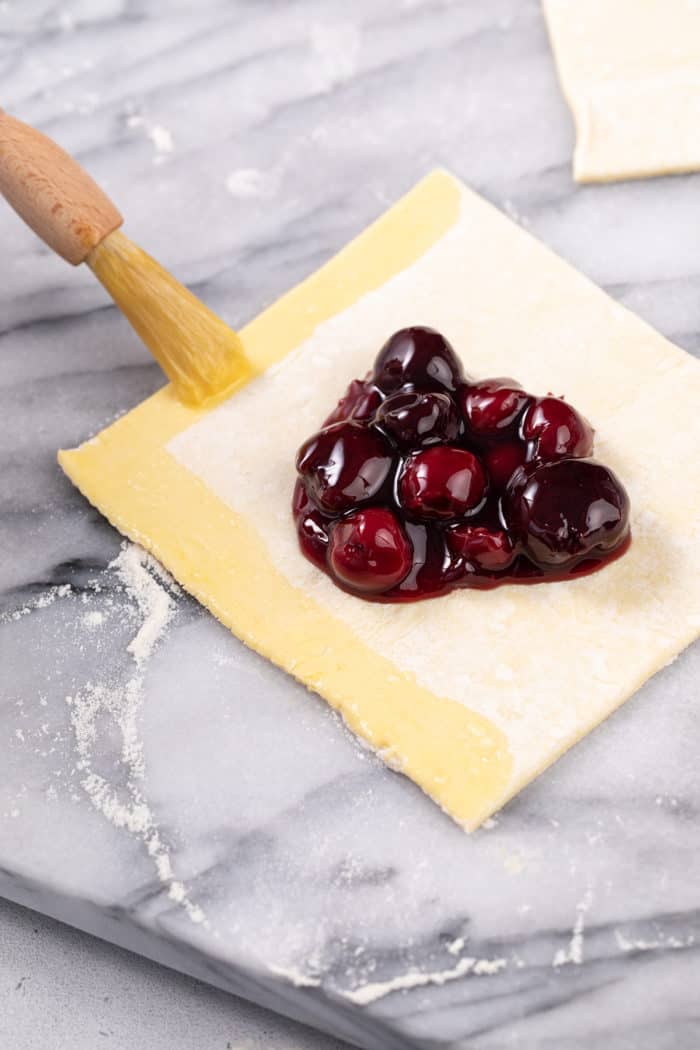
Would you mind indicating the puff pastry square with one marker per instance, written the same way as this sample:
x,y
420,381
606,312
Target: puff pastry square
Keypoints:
x,y
630,70
474,694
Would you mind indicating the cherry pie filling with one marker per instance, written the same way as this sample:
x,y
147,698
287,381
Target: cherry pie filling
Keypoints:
x,y
423,479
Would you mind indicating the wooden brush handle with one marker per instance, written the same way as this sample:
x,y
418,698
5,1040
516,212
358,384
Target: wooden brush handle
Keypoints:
x,y
52,193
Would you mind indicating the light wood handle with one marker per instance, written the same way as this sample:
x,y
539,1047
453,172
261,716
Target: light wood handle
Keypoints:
x,y
52,193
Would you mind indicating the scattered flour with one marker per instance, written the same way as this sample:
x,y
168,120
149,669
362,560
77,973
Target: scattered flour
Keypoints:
x,y
574,952
514,864
296,977
102,708
336,50
134,568
657,944
369,993
161,137
247,183
48,597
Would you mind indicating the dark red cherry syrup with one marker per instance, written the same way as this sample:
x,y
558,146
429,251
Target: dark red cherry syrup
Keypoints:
x,y
422,480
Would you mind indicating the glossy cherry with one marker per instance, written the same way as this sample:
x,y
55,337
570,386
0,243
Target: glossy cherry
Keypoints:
x,y
360,401
435,568
565,509
417,358
422,481
492,406
313,536
502,460
485,548
558,429
369,551
312,526
442,482
416,420
344,465
301,504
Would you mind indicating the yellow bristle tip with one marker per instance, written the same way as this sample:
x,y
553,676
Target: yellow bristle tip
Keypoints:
x,y
201,356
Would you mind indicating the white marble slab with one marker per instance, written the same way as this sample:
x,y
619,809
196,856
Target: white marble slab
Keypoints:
x,y
245,142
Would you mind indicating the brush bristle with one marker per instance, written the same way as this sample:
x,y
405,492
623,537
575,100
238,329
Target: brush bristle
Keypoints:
x,y
201,356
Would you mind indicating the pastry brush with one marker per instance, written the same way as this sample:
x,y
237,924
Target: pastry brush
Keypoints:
x,y
201,356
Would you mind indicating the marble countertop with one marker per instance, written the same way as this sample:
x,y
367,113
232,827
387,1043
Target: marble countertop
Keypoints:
x,y
245,142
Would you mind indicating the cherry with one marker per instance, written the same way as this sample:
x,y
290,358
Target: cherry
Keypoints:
x,y
419,419
369,551
442,482
300,499
493,405
434,566
344,464
313,537
417,357
566,509
312,528
503,460
482,547
360,401
558,429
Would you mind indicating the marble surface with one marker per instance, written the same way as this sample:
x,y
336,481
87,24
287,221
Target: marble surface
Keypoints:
x,y
245,142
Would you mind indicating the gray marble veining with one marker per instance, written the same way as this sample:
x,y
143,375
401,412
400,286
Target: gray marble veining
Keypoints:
x,y
245,142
